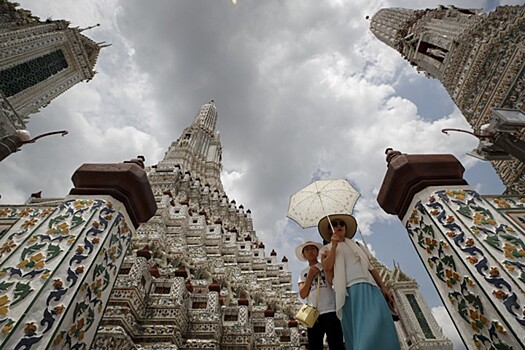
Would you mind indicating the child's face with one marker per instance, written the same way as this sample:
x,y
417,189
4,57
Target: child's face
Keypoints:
x,y
310,252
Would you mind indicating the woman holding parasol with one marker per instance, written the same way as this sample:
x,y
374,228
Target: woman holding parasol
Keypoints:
x,y
361,296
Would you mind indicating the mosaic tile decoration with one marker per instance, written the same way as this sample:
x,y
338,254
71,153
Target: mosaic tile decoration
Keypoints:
x,y
476,258
57,268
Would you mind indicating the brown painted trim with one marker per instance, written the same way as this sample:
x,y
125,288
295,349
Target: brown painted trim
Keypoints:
x,y
408,174
125,182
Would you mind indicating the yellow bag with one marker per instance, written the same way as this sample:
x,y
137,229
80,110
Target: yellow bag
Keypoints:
x,y
307,315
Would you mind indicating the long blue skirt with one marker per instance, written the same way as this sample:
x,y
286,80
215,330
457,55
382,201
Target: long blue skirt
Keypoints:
x,y
367,322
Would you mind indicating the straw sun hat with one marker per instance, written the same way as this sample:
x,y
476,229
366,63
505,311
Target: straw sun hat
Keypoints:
x,y
326,232
299,250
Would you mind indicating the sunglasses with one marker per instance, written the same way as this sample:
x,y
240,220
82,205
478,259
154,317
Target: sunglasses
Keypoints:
x,y
338,223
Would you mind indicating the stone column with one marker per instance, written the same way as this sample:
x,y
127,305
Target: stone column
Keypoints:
x,y
472,246
59,261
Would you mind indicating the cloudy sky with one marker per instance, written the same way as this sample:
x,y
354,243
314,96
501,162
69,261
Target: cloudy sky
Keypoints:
x,y
303,90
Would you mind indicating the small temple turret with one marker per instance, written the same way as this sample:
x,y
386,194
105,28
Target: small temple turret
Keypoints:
x,y
39,60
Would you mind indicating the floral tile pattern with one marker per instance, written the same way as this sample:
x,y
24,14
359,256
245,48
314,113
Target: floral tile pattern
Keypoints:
x,y
57,268
475,253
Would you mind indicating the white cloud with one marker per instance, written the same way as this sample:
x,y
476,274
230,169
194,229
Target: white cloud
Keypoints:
x,y
230,180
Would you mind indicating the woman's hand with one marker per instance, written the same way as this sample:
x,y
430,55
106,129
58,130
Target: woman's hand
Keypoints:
x,y
335,240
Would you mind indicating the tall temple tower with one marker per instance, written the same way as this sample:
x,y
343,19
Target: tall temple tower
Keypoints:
x,y
199,150
196,275
478,57
39,60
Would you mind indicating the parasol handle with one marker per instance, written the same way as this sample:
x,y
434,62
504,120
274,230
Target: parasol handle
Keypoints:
x,y
322,206
361,234
330,223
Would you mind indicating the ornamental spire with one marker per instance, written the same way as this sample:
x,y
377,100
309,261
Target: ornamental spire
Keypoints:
x,y
207,117
198,150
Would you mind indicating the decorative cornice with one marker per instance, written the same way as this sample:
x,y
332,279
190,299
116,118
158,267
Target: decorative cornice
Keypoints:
x,y
126,182
409,174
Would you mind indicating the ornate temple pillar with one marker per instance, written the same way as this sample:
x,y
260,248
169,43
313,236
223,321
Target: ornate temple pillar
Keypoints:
x,y
270,322
244,315
294,333
60,259
472,246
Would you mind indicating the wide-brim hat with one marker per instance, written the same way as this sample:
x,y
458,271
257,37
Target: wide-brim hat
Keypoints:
x,y
324,227
299,250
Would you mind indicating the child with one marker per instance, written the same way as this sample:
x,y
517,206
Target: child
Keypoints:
x,y
327,323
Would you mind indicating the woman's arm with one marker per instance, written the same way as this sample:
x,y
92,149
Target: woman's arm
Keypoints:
x,y
328,260
388,296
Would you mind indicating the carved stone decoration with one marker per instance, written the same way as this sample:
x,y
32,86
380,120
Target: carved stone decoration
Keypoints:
x,y
112,338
